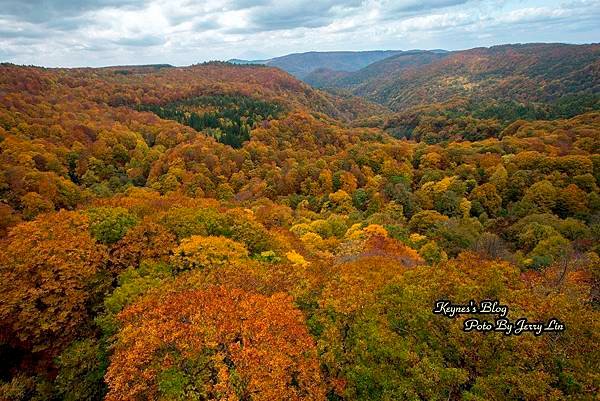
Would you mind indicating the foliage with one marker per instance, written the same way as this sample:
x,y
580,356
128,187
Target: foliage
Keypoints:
x,y
228,118
194,268
199,252
48,267
81,371
214,343
108,225
391,347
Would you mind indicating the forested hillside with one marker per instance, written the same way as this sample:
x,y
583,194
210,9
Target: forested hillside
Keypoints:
x,y
522,73
229,232
473,94
386,69
302,64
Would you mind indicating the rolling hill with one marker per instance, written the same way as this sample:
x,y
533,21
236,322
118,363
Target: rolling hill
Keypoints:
x,y
381,69
302,64
528,73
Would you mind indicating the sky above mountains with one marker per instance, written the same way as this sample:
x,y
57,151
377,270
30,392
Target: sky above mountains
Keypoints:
x,y
182,32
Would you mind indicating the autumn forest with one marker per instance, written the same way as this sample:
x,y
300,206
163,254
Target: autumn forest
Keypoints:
x,y
229,232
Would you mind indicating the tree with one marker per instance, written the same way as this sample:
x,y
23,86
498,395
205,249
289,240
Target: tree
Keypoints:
x,y
549,250
341,200
214,344
432,253
426,220
8,218
81,369
491,246
456,235
186,221
34,204
199,252
244,228
110,224
571,201
47,269
488,198
542,194
147,240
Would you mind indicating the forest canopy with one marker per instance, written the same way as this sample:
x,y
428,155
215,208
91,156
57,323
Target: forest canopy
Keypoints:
x,y
229,232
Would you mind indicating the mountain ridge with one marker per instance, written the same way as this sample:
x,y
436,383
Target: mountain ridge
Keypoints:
x,y
533,72
302,64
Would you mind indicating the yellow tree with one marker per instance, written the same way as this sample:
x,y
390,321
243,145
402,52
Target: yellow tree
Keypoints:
x,y
199,252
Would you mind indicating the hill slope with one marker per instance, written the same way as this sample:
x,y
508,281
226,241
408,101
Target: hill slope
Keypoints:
x,y
302,64
520,73
380,70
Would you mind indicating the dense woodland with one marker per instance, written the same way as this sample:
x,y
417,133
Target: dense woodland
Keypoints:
x,y
535,72
302,64
229,232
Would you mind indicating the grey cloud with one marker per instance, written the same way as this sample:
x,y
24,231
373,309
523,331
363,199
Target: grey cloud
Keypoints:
x,y
6,54
419,5
45,18
42,11
279,15
66,24
7,33
245,4
72,32
396,10
299,14
142,41
205,25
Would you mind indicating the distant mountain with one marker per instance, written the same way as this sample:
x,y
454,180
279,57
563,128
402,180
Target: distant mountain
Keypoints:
x,y
240,61
379,70
302,64
519,73
327,78
139,66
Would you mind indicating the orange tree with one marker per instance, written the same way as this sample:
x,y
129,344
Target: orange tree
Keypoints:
x,y
213,344
47,269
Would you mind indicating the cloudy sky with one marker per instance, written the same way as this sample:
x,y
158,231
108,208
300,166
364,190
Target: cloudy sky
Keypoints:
x,y
183,32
